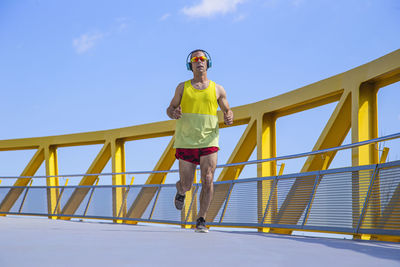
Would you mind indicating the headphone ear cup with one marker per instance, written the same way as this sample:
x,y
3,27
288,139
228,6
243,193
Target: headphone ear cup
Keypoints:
x,y
189,66
209,64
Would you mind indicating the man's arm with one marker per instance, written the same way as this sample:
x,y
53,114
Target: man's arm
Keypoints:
x,y
174,110
224,105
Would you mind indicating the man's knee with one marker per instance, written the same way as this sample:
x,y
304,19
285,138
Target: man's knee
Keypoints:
x,y
183,186
186,187
207,180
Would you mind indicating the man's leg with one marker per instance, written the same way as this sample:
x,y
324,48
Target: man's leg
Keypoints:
x,y
186,176
208,164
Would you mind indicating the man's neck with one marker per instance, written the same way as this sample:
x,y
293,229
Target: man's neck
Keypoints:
x,y
200,77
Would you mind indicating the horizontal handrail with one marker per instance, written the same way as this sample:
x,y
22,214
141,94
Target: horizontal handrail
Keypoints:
x,y
244,180
293,156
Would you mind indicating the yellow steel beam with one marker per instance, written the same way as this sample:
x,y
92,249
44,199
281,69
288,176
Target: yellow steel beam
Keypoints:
x,y
326,159
165,162
242,152
190,206
382,71
357,87
137,132
364,127
146,194
333,135
30,170
118,166
79,194
281,169
365,123
50,154
387,215
384,155
266,148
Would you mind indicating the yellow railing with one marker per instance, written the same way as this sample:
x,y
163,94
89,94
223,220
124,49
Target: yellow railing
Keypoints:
x,y
355,92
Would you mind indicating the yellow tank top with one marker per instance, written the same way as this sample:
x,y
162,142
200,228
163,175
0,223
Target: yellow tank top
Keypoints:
x,y
198,126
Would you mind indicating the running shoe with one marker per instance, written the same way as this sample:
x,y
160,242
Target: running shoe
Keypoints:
x,y
179,201
201,226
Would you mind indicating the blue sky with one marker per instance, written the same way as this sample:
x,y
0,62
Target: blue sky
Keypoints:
x,y
77,66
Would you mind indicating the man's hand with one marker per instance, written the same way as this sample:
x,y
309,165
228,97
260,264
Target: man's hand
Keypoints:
x,y
174,111
177,113
228,117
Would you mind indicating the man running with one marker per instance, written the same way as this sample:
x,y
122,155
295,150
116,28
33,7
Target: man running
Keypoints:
x,y
195,105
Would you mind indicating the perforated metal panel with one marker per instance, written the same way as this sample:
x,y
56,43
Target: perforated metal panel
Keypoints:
x,y
362,199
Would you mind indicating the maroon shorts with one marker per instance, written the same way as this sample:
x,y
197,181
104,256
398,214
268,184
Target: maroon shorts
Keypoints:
x,y
193,154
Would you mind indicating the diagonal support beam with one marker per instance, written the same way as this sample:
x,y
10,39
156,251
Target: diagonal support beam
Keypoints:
x,y
30,170
242,152
146,194
79,194
333,135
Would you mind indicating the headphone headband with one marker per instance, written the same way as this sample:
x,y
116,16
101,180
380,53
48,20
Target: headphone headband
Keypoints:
x,y
189,64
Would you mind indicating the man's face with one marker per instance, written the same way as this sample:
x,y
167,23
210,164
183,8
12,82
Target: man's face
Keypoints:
x,y
199,66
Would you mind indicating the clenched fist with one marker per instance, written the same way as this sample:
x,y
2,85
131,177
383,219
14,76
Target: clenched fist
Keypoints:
x,y
228,117
177,113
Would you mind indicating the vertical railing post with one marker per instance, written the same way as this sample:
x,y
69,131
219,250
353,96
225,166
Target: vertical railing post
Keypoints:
x,y
187,208
155,202
269,199
125,197
281,168
24,197
191,203
59,197
226,202
90,197
317,178
371,184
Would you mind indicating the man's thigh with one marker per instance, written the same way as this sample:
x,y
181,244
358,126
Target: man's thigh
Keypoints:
x,y
208,163
186,171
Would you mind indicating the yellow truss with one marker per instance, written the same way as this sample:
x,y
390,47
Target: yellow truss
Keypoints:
x,y
355,92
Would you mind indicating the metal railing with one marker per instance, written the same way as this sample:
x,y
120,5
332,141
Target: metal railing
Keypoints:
x,y
330,205
293,156
354,200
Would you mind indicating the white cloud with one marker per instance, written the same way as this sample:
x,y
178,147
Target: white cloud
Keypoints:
x,y
86,42
165,16
211,7
123,23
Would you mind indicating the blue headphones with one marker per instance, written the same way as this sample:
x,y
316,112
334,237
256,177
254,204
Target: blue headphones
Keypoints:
x,y
189,57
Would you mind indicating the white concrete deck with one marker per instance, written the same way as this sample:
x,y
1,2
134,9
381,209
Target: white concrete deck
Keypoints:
x,y
26,241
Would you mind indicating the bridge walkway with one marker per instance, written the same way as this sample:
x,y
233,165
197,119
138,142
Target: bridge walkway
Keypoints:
x,y
27,241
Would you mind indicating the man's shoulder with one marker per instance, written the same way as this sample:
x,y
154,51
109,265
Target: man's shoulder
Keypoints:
x,y
181,85
218,86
